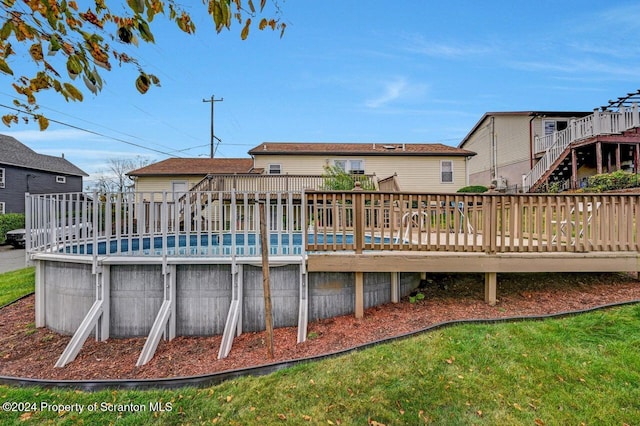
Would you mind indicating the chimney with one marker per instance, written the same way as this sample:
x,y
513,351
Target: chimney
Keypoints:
x,y
63,155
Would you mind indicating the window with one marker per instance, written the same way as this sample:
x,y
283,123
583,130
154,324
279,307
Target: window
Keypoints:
x,y
446,171
341,164
551,126
61,179
356,167
275,169
1,207
1,178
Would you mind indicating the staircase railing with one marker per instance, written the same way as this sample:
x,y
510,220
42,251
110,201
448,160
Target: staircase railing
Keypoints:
x,y
598,123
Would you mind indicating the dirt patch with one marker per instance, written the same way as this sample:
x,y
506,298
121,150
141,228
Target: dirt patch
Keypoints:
x,y
29,352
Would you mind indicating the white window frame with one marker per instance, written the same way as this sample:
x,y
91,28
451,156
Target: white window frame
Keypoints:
x,y
442,171
272,169
1,177
347,165
341,164
354,171
2,210
61,179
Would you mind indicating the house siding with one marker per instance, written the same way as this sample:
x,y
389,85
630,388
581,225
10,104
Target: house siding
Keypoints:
x,y
414,173
19,181
159,184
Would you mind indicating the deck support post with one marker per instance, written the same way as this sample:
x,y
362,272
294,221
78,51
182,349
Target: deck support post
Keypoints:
x,y
359,293
97,318
165,322
490,287
395,287
599,157
303,308
40,295
574,169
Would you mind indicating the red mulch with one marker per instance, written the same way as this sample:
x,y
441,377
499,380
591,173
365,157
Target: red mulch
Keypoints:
x,y
29,352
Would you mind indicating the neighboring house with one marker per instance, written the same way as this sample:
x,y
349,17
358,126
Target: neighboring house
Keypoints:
x,y
180,175
506,144
23,170
411,167
553,150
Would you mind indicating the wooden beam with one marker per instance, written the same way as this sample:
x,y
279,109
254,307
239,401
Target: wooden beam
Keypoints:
x,y
475,262
359,293
618,161
490,287
599,157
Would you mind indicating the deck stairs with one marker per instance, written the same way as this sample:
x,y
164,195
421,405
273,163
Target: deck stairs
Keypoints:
x,y
556,161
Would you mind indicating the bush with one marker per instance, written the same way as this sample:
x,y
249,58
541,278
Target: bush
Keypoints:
x,y
612,181
9,222
474,189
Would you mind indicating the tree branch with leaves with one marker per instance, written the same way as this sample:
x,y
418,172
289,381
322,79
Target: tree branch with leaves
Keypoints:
x,y
64,45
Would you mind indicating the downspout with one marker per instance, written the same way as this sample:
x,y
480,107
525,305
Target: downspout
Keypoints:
x,y
533,117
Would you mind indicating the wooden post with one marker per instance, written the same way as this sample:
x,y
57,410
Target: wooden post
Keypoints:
x,y
618,161
358,217
268,319
359,294
490,287
599,157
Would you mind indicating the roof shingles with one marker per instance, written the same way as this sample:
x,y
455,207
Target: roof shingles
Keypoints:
x,y
395,149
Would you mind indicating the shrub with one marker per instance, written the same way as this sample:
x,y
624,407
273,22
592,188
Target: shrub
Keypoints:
x,y
336,179
612,181
9,222
474,189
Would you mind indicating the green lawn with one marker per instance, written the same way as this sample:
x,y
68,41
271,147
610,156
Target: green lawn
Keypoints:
x,y
15,284
580,369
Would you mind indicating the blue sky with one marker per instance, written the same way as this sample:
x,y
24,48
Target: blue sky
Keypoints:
x,y
420,71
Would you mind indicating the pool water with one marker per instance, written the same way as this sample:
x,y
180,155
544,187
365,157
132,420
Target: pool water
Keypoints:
x,y
207,245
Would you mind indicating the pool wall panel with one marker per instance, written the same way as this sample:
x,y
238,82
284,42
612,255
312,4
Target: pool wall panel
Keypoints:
x,y
136,296
203,296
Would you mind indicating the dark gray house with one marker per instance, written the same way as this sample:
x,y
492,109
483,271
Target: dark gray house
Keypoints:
x,y
23,170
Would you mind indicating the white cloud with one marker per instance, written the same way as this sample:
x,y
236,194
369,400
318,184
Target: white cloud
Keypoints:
x,y
449,50
397,89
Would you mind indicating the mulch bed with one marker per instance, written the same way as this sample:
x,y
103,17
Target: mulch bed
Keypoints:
x,y
32,353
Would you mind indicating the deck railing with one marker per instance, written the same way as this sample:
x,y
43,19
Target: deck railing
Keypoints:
x,y
491,223
598,123
218,223
227,224
252,182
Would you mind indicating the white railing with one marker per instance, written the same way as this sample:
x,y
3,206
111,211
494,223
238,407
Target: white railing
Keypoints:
x,y
599,123
153,224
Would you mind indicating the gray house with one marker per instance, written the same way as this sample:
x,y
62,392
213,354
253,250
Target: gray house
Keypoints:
x,y
23,170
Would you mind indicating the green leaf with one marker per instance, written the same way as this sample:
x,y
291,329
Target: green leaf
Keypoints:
x,y
74,66
136,5
54,45
145,32
6,30
142,83
4,67
74,93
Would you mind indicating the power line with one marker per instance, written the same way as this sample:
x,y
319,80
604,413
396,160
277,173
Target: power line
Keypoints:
x,y
91,132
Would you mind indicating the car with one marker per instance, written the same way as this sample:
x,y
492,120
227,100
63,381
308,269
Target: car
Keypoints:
x,y
16,238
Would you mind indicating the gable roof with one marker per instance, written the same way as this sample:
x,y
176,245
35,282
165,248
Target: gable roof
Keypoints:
x,y
533,114
14,153
195,166
374,148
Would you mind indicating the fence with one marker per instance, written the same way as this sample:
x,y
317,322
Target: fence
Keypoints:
x,y
490,223
214,223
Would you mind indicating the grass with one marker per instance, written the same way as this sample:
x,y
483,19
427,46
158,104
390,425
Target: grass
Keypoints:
x,y
579,369
15,284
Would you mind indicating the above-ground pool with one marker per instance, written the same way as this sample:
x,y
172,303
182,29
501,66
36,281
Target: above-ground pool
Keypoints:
x,y
246,244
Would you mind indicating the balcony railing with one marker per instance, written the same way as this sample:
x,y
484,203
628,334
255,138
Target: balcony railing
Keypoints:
x,y
599,123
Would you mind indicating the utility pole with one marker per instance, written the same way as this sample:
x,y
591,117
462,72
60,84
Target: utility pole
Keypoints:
x,y
213,137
